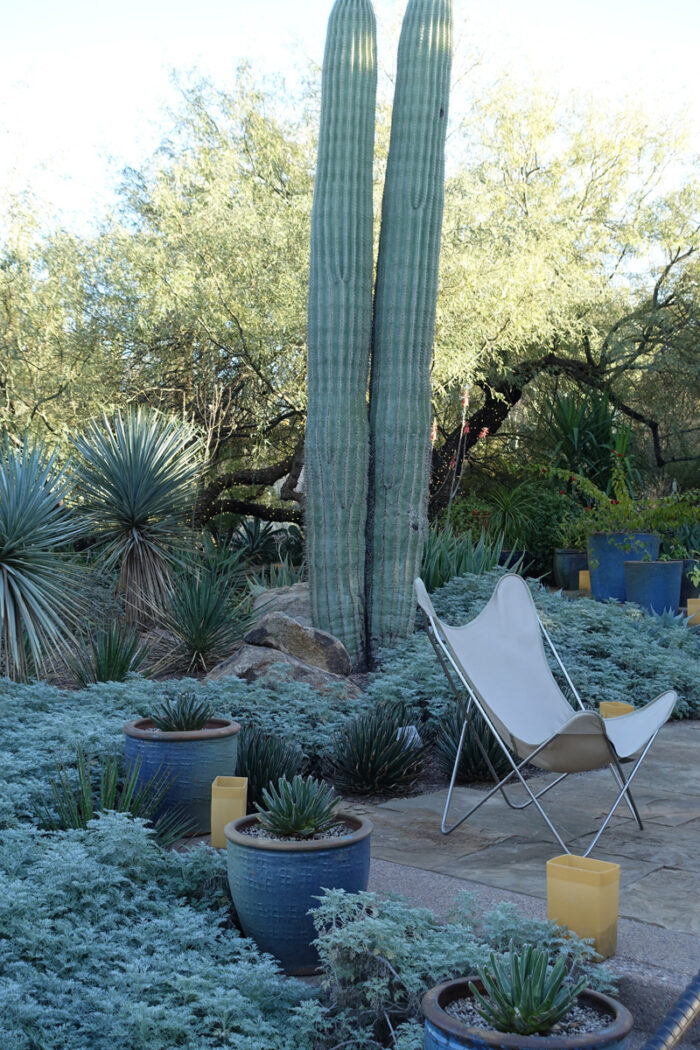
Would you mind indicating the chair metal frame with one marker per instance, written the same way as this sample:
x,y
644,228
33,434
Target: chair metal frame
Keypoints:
x,y
447,660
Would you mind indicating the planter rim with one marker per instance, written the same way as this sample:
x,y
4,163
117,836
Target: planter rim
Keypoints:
x,y
362,826
624,532
654,561
620,1021
216,728
570,550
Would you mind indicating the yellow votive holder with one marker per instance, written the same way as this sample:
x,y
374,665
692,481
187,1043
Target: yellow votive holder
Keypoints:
x,y
614,708
229,796
582,894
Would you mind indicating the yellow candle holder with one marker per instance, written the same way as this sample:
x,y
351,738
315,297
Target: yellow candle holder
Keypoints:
x,y
614,708
229,797
584,580
582,894
693,612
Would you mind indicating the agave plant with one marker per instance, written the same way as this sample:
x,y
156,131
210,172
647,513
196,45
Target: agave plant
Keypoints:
x,y
263,759
301,808
181,712
109,656
373,754
472,764
258,541
524,994
39,587
137,477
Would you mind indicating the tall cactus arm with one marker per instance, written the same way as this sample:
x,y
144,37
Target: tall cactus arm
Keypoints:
x,y
404,319
339,327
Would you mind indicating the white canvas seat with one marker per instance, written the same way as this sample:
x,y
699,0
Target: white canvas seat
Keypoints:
x,y
497,663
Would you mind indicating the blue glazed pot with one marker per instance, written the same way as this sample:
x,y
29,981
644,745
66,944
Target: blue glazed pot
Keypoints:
x,y
655,585
190,761
275,883
567,564
607,554
444,1032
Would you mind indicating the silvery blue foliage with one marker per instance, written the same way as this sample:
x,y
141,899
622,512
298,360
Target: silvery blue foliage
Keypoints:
x,y
101,949
612,651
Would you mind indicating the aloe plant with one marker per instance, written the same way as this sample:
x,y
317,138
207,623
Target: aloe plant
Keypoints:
x,y
339,326
301,808
39,586
137,473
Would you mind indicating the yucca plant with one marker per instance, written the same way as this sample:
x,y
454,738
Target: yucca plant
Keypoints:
x,y
137,475
258,541
372,756
285,574
525,995
39,586
207,608
511,510
301,808
448,554
109,656
472,765
264,760
96,787
181,712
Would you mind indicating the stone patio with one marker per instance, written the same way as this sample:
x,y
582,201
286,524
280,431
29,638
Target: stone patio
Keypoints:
x,y
507,849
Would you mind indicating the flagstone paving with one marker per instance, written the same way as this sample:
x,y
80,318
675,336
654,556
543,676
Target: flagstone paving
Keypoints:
x,y
507,849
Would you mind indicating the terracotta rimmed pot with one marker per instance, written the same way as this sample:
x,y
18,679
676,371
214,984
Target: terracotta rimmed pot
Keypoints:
x,y
190,760
274,884
444,1032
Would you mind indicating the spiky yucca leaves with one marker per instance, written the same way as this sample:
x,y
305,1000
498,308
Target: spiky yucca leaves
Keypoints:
x,y
448,554
39,605
404,319
258,541
264,760
524,995
339,327
181,712
99,787
109,656
137,476
301,808
372,756
207,608
472,765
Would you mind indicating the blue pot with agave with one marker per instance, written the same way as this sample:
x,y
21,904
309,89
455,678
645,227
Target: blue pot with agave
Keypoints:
x,y
525,1001
607,554
280,861
184,747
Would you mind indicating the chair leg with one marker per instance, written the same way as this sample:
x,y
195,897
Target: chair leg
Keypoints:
x,y
619,778
624,793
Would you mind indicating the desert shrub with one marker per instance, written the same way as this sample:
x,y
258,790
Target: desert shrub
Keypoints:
x,y
448,554
472,765
549,510
371,754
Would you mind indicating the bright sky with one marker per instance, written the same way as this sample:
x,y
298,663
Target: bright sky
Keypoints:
x,y
84,83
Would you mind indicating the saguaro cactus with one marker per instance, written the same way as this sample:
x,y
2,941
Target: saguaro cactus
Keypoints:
x,y
339,326
404,319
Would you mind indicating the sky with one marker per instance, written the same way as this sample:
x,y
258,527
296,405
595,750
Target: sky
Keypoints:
x,y
85,84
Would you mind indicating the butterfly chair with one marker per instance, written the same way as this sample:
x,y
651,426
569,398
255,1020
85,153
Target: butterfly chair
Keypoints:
x,y
497,664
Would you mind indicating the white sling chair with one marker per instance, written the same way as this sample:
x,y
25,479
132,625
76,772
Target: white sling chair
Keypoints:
x,y
497,663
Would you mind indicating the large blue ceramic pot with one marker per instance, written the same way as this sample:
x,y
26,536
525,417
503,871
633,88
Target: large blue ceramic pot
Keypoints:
x,y
607,554
275,883
445,1032
190,762
655,585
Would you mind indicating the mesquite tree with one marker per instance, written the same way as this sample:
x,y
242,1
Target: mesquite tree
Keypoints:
x,y
363,592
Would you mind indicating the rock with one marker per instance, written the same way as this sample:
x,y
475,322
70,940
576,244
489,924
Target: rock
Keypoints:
x,y
294,601
277,630
253,662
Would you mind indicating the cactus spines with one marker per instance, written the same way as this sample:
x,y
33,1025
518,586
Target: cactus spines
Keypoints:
x,y
339,327
404,319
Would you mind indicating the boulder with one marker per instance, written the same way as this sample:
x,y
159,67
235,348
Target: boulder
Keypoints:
x,y
294,601
277,630
252,662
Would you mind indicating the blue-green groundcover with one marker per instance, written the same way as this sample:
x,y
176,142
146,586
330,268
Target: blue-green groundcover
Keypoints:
x,y
108,943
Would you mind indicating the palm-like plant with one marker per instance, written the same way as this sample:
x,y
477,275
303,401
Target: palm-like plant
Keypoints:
x,y
39,604
137,478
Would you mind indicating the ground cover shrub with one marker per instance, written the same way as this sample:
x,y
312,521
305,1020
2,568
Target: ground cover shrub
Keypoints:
x,y
379,956
612,652
108,943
